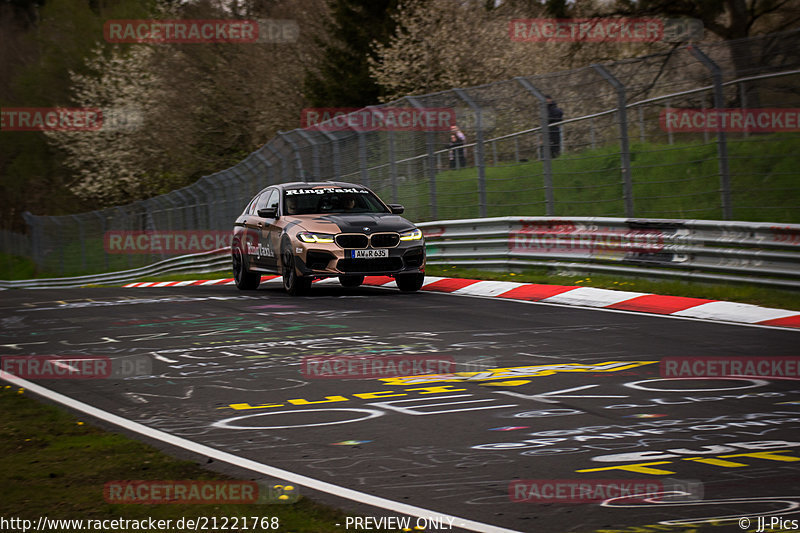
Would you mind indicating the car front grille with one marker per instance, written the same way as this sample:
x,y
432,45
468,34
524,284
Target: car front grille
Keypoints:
x,y
385,240
352,240
360,240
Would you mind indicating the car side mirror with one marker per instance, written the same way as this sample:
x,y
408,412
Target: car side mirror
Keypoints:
x,y
397,209
268,212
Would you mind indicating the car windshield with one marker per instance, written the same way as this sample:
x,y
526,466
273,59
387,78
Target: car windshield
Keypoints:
x,y
324,200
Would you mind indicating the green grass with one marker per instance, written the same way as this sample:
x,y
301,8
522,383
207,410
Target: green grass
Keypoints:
x,y
16,267
669,181
53,464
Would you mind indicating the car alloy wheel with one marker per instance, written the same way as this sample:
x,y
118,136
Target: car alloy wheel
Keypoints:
x,y
294,284
245,281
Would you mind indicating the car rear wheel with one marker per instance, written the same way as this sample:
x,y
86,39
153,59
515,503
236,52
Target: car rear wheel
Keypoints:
x,y
409,282
351,281
245,281
294,284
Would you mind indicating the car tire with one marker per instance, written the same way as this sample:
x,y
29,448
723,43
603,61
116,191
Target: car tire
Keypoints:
x,y
293,283
244,280
409,282
351,281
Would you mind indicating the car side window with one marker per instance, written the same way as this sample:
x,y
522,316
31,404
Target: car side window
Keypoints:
x,y
250,209
274,197
262,200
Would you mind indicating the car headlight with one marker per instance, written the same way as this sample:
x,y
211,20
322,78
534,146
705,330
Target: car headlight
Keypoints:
x,y
413,235
320,238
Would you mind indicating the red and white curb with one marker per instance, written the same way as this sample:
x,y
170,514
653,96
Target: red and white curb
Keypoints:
x,y
677,306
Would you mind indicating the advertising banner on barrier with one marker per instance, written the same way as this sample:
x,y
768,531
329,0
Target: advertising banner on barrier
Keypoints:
x,y
636,242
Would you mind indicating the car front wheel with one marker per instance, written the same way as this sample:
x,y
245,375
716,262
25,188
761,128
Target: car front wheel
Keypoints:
x,y
409,282
245,281
294,284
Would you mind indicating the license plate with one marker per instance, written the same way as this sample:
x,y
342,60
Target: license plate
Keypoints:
x,y
368,254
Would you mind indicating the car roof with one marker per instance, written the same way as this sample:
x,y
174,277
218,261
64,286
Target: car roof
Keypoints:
x,y
313,184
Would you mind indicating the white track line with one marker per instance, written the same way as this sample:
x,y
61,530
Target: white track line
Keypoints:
x,y
249,464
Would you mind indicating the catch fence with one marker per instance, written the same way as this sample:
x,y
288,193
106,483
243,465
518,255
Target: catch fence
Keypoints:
x,y
621,154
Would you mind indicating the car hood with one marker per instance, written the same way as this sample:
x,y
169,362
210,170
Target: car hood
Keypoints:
x,y
355,223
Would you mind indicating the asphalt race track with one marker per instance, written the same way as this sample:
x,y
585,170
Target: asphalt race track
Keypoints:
x,y
546,394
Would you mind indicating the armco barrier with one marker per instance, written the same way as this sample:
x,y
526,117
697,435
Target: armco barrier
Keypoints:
x,y
747,252
762,253
203,262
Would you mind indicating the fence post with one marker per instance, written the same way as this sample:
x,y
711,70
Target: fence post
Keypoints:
x,y
268,164
722,139
314,154
544,128
298,162
430,147
625,151
284,166
670,136
82,237
392,164
99,214
337,156
479,153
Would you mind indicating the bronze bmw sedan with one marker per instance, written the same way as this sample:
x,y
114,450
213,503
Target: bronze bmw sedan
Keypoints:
x,y
307,231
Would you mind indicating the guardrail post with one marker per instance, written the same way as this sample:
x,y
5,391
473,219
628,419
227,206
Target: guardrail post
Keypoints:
x,y
314,154
547,160
479,150
624,146
722,139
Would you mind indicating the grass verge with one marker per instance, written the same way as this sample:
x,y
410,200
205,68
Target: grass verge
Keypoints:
x,y
55,465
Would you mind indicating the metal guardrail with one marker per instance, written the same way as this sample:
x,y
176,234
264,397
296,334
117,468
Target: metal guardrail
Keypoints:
x,y
747,252
212,261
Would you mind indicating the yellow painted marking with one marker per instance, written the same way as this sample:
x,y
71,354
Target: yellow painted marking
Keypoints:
x,y
715,462
641,468
328,399
767,455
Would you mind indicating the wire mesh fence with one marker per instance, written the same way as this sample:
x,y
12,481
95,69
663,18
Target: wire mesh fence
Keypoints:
x,y
637,139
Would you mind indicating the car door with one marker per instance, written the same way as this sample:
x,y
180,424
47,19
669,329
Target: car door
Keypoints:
x,y
271,233
259,252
